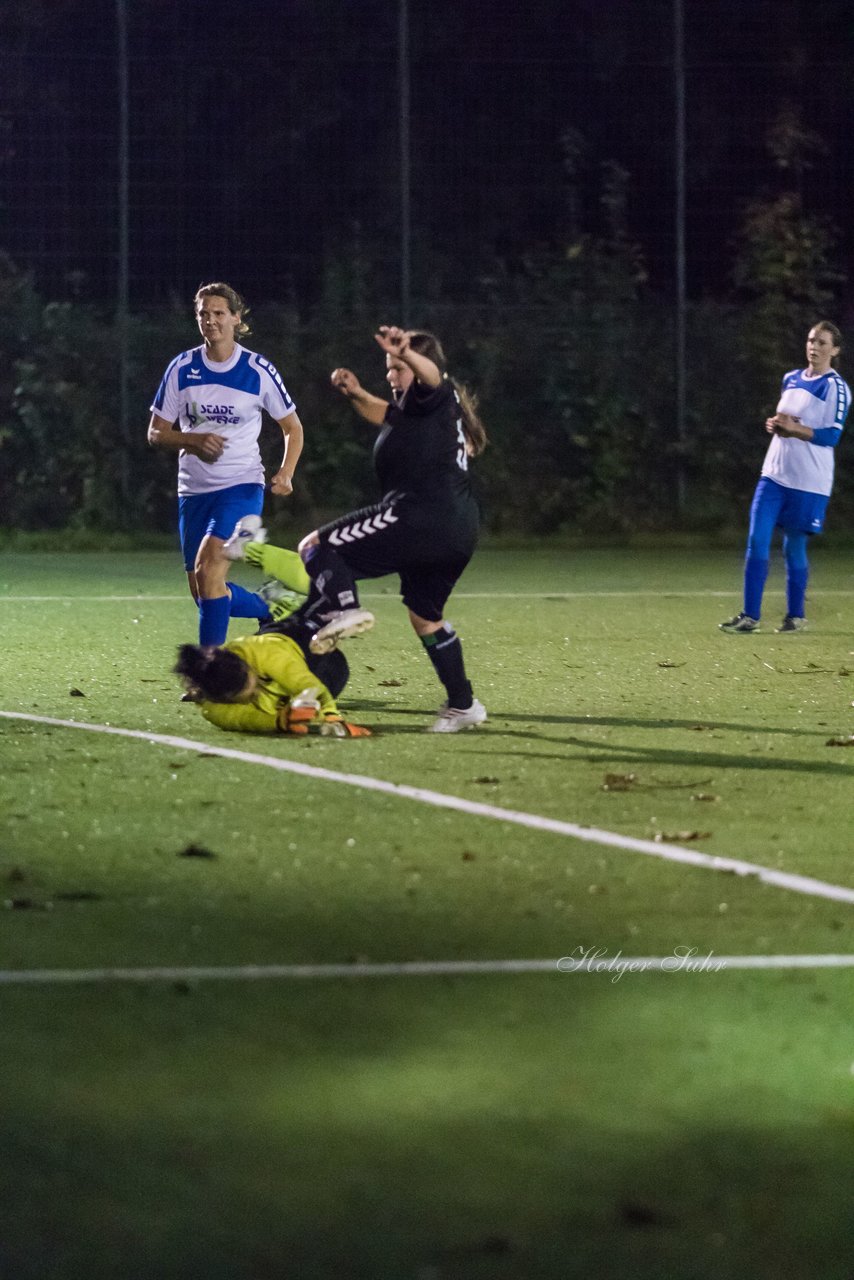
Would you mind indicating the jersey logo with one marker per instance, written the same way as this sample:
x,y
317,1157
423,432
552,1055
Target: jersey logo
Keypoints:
x,y
222,414
194,373
195,416
362,528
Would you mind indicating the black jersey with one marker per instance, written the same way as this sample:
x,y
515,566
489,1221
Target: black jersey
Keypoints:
x,y
421,449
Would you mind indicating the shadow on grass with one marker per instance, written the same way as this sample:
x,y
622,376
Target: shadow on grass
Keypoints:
x,y
468,1133
619,722
609,753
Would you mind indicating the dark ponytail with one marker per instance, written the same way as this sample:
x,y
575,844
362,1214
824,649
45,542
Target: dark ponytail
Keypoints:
x,y
217,674
427,344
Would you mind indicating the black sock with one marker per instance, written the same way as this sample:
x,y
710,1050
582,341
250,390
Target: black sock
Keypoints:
x,y
446,653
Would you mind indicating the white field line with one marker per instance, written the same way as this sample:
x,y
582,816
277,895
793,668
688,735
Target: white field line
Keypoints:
x,y
437,799
662,593
616,966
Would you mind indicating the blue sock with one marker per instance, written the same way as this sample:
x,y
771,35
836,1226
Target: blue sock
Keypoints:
x,y
213,620
246,604
755,573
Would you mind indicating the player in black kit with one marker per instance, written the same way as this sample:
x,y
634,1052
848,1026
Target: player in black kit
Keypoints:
x,y
424,528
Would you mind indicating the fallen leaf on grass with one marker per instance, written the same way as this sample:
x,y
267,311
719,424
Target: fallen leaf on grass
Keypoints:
x,y
811,669
705,796
79,895
485,779
666,836
390,684
468,856
642,1215
196,851
671,664
76,693
619,781
841,742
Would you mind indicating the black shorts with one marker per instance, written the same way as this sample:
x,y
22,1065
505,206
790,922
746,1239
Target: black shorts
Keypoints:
x,y
428,544
331,668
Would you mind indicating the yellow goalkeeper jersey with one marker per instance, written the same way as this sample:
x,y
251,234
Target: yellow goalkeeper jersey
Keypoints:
x,y
282,672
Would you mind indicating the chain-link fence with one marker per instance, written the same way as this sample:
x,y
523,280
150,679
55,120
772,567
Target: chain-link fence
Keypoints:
x,y
264,136
517,174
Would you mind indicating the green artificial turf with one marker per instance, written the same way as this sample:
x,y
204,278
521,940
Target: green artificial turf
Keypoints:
x,y
548,1125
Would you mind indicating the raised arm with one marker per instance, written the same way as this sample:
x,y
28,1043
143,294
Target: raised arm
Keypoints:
x,y
368,406
395,342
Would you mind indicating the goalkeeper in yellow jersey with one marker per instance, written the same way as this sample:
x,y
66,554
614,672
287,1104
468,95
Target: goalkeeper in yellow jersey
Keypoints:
x,y
269,683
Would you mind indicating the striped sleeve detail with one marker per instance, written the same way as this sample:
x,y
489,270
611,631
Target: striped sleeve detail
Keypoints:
x,y
843,402
277,401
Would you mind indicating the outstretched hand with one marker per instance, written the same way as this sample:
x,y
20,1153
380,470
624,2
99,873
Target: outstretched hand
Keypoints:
x,y
394,341
345,381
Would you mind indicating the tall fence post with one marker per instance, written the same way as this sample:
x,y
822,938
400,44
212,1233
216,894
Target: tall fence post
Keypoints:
x,y
123,266
403,81
679,239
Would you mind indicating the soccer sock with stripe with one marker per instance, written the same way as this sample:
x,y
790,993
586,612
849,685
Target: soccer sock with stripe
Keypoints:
x,y
278,562
246,604
213,620
446,653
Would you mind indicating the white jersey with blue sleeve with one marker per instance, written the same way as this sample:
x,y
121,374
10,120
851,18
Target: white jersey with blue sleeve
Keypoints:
x,y
227,398
820,402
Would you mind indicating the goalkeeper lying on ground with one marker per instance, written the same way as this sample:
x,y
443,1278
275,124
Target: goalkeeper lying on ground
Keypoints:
x,y
269,683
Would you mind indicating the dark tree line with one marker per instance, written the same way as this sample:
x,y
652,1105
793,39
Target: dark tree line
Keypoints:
x,y
264,148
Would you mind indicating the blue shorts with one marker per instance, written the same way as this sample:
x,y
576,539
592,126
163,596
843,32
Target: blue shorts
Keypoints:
x,y
218,512
792,509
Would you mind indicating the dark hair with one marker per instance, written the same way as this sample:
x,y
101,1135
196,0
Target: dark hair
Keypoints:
x,y
236,305
218,674
830,328
427,344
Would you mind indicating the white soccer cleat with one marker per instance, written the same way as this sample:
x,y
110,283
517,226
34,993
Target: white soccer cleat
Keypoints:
x,y
341,626
248,529
451,719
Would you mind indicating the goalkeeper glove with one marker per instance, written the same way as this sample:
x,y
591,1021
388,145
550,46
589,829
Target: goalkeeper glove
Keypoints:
x,y
301,714
334,726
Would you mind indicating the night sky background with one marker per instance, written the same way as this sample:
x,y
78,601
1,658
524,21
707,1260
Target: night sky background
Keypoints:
x,y
264,135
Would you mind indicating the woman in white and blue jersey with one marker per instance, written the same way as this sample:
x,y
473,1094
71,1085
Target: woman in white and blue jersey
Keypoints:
x,y
797,478
214,395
